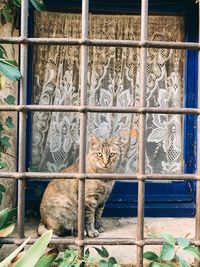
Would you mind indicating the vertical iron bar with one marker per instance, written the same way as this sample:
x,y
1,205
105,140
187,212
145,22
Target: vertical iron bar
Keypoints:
x,y
22,118
141,167
83,126
197,221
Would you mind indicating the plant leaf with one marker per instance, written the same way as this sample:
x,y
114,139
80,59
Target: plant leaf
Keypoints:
x,y
112,262
87,253
38,5
168,238
17,3
3,51
47,259
2,188
7,230
182,262
3,165
183,242
167,252
102,263
9,70
33,254
8,260
7,13
157,264
191,249
149,255
9,122
102,252
10,100
6,216
4,141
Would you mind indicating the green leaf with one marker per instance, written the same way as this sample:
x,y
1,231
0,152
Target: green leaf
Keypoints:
x,y
17,3
33,254
2,188
168,238
87,253
4,141
7,216
3,51
8,260
191,249
47,259
102,252
112,262
167,252
7,13
9,122
38,5
102,263
3,165
149,255
182,262
7,230
157,264
9,70
10,100
183,242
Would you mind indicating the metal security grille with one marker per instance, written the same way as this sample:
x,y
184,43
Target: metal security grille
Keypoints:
x,y
83,109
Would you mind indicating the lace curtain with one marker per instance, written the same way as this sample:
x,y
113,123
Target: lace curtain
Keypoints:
x,y
113,80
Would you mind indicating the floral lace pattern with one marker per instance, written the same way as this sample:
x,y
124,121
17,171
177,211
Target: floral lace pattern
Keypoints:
x,y
113,80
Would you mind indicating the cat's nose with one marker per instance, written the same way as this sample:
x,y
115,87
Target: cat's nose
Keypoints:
x,y
106,165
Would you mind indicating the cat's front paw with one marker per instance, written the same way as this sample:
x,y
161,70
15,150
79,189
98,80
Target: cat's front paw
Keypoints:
x,y
101,229
93,233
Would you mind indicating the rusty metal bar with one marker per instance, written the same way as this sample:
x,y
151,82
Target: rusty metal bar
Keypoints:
x,y
99,109
114,176
197,217
83,129
22,119
99,42
142,120
93,241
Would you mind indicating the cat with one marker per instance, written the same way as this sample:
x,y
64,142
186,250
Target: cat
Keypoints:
x,y
59,205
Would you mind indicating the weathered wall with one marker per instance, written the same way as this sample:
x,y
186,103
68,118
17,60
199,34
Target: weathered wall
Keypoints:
x,y
9,88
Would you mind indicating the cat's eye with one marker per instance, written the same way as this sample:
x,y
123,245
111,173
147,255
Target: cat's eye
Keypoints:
x,y
111,154
99,154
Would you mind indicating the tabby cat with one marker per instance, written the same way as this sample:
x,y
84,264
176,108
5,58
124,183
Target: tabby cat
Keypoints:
x,y
59,203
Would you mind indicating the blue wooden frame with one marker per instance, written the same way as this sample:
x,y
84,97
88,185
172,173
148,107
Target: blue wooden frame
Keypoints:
x,y
175,199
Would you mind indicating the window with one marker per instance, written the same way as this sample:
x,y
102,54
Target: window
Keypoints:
x,y
114,80
190,82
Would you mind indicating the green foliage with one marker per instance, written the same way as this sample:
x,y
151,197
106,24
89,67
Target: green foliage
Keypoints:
x,y
34,256
9,69
8,10
7,220
71,259
169,255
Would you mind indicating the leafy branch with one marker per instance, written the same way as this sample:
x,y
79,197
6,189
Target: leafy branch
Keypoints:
x,y
170,254
10,70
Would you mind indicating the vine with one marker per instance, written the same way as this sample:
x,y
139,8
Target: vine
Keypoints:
x,y
9,11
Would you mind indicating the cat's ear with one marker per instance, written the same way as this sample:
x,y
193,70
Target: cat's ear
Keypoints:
x,y
93,139
120,142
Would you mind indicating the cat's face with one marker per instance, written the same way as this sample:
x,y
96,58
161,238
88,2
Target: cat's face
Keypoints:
x,y
104,154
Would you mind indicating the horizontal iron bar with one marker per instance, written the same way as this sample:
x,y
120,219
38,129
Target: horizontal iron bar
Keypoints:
x,y
58,108
92,241
100,42
114,176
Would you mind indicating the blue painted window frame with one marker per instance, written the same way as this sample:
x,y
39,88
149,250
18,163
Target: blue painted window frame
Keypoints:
x,y
176,199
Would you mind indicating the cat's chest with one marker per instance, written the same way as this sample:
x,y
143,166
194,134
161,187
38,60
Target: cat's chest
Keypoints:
x,y
98,191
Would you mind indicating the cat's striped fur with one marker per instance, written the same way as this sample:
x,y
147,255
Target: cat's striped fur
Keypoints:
x,y
59,203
